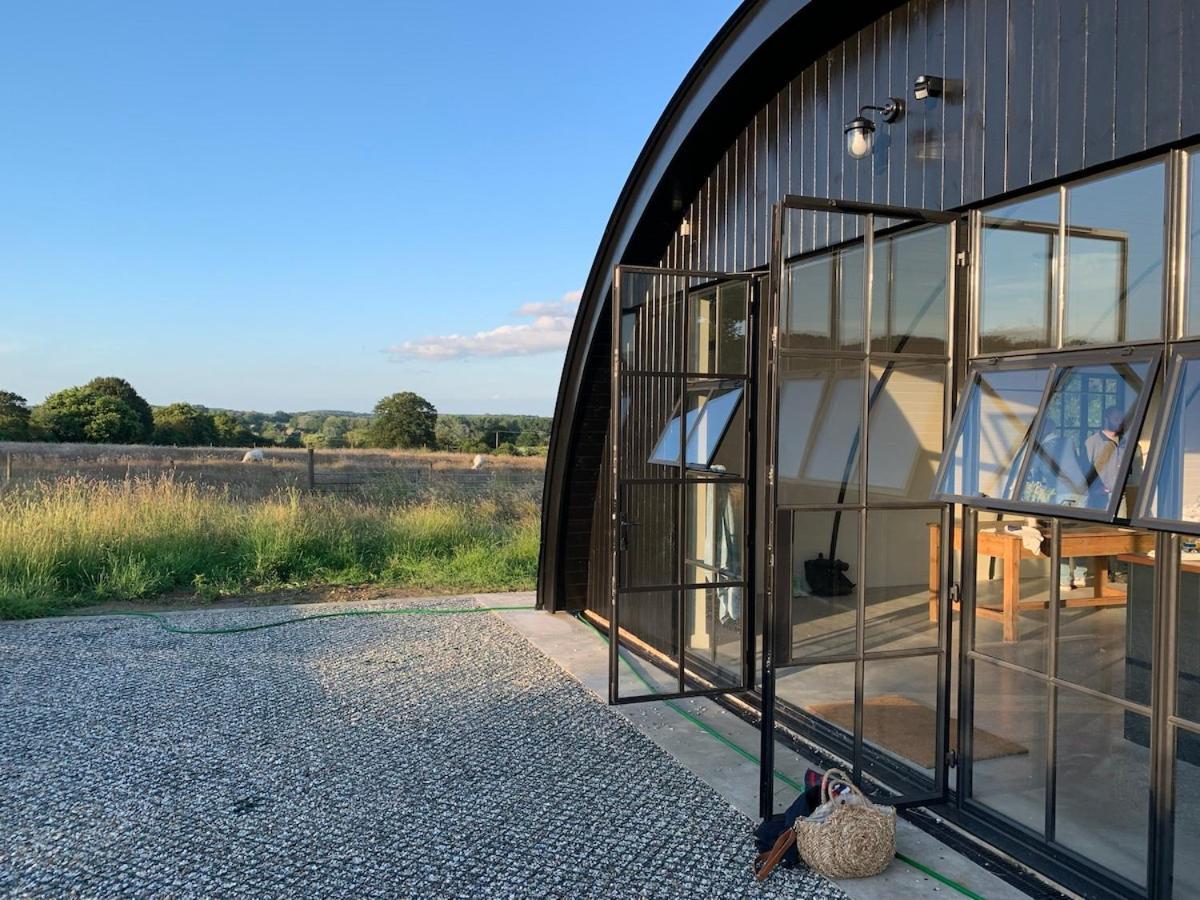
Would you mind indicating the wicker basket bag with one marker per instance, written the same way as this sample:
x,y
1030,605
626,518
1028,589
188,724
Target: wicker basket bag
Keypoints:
x,y
854,839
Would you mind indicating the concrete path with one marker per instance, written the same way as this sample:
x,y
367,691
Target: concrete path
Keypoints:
x,y
400,755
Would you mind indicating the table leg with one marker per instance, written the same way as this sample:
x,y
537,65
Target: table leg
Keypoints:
x,y
1101,585
1012,589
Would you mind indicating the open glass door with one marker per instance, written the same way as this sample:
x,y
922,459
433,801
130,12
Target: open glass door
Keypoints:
x,y
683,446
856,649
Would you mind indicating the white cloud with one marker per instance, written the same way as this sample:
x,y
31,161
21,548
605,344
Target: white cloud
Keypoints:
x,y
548,331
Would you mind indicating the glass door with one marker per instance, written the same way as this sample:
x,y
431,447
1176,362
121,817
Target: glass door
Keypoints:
x,y
856,653
682,420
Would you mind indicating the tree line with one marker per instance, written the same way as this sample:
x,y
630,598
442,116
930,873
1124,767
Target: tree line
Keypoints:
x,y
109,410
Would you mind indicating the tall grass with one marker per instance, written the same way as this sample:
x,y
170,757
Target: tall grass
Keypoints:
x,y
76,541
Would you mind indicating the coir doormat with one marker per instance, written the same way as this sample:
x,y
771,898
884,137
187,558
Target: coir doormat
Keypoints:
x,y
906,728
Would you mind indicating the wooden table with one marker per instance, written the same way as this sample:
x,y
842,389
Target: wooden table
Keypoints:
x,y
998,542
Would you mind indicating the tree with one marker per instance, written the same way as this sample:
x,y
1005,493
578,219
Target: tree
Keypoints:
x,y
230,432
184,425
120,389
404,420
83,414
14,417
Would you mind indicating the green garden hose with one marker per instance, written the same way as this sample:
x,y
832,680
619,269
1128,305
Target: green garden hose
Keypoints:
x,y
790,782
408,610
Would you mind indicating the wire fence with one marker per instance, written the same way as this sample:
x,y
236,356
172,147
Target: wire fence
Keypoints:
x,y
369,475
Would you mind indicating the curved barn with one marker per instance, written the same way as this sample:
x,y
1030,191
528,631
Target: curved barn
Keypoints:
x,y
881,412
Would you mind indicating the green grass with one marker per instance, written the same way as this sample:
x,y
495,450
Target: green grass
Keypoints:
x,y
75,541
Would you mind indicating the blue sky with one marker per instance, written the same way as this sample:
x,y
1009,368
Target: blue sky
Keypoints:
x,y
301,205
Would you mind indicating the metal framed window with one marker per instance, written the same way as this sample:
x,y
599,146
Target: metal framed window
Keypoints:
x,y
1171,473
1014,444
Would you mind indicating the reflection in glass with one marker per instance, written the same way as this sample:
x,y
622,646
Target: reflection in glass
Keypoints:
x,y
1102,785
717,329
710,412
649,429
909,310
647,534
905,426
1187,646
1115,249
820,412
997,415
713,538
900,713
1187,814
1175,493
652,616
813,689
822,608
1084,438
901,578
1018,280
1008,759
1106,619
652,309
825,301
1193,246
1012,588
713,635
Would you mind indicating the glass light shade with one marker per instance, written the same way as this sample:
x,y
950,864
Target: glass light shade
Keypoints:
x,y
860,137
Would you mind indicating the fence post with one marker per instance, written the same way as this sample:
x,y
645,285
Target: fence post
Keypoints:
x,y
8,466
312,475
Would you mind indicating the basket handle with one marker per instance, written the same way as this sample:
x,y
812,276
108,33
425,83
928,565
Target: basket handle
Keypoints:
x,y
837,776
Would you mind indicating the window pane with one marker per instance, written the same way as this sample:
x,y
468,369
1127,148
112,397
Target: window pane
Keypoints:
x,y
900,716
1084,437
714,418
822,608
1115,258
901,578
909,295
850,289
1018,284
996,418
1193,245
1008,759
1187,814
715,524
1187,647
652,616
650,436
1175,493
1012,589
652,309
820,411
810,304
1106,599
905,429
1103,783
648,517
713,636
717,329
816,690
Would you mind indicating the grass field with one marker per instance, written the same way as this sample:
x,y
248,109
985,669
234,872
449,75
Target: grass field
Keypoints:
x,y
79,538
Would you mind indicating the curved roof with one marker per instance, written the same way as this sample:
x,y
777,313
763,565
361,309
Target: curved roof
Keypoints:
x,y
763,45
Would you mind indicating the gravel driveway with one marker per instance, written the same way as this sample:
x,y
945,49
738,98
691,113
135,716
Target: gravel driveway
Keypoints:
x,y
380,756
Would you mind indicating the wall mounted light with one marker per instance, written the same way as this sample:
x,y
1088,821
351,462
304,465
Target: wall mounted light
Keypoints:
x,y
860,131
927,86
685,227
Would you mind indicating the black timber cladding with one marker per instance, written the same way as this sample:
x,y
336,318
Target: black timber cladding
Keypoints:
x,y
1038,91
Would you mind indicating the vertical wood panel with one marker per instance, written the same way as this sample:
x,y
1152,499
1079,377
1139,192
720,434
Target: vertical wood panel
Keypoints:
x,y
1018,125
847,111
1101,85
1164,70
774,145
1189,101
973,89
737,205
1044,113
1072,52
897,149
914,124
834,153
765,139
797,183
952,114
873,86
809,172
995,98
1132,35
821,120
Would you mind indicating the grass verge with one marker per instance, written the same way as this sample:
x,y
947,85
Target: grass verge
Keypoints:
x,y
75,541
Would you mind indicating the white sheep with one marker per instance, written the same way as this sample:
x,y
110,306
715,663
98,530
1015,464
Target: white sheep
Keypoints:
x,y
253,455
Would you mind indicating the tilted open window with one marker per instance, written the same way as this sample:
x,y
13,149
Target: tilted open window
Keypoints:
x,y
710,411
1172,495
1050,434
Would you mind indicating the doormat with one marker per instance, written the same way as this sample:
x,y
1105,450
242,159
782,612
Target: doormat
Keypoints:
x,y
906,727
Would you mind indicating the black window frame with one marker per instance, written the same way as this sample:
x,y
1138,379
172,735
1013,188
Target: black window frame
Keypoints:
x,y
1182,353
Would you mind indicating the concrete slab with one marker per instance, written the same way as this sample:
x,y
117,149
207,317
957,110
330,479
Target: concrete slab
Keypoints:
x,y
584,654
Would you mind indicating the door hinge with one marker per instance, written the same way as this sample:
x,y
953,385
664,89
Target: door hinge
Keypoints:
x,y
775,336
771,475
952,759
963,258
955,594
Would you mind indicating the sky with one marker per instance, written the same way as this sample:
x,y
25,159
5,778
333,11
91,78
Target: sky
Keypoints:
x,y
310,205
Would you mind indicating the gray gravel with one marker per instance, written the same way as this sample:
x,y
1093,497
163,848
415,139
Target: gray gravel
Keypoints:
x,y
398,755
